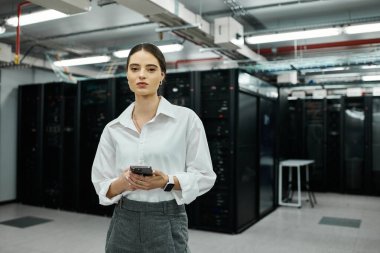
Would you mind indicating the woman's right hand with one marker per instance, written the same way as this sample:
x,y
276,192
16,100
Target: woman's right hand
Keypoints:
x,y
125,176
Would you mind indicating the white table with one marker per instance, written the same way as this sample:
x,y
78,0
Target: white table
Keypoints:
x,y
297,163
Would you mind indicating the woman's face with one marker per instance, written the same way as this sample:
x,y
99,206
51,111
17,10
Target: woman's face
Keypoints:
x,y
144,73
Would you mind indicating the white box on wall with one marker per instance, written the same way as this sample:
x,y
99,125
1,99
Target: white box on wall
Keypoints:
x,y
5,53
186,14
228,33
204,25
288,77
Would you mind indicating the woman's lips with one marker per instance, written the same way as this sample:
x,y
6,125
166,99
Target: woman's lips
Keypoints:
x,y
141,85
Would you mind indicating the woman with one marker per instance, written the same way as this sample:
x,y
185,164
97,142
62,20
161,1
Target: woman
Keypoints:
x,y
150,215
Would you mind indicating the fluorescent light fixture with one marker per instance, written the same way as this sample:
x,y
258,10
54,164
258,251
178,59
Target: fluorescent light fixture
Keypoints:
x,y
36,17
2,29
370,66
371,78
299,35
364,28
82,61
170,48
122,53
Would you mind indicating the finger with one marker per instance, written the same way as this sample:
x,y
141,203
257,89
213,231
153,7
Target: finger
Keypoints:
x,y
158,173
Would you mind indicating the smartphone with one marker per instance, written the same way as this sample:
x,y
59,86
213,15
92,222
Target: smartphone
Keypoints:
x,y
142,170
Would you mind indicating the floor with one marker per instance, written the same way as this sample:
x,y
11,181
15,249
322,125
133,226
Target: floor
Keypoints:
x,y
287,229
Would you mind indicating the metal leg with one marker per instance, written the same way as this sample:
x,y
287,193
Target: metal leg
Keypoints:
x,y
280,185
310,193
290,184
299,186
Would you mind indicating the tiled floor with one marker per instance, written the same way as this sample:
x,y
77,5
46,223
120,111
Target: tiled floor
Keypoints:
x,y
285,230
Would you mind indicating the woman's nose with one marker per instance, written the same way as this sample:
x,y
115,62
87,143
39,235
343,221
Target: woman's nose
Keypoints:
x,y
142,73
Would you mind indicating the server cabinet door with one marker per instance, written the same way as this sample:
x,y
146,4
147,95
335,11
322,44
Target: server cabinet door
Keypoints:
x,y
247,161
375,146
315,142
96,110
333,147
354,145
29,157
53,144
266,153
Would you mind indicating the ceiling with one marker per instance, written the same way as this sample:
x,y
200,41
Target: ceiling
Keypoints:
x,y
110,26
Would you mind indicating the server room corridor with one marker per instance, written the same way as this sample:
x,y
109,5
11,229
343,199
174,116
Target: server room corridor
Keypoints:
x,y
338,224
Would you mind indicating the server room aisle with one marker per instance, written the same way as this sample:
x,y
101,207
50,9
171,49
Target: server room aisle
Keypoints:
x,y
339,223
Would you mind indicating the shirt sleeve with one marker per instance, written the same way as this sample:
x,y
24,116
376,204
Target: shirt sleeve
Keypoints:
x,y
199,176
103,169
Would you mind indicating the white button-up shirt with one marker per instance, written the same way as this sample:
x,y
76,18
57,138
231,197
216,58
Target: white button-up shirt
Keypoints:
x,y
174,141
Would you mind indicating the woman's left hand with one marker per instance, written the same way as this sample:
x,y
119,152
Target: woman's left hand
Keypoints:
x,y
158,180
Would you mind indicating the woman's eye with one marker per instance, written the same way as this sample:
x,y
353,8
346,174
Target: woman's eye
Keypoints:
x,y
151,69
134,69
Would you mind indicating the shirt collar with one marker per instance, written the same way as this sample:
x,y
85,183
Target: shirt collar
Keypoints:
x,y
164,107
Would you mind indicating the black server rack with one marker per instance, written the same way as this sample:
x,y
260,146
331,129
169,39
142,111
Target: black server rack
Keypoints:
x,y
266,139
295,130
179,89
314,141
58,145
333,151
30,144
96,109
355,120
123,95
375,146
70,154
231,205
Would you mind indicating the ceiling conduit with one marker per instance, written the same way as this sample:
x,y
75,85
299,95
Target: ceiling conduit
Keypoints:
x,y
291,49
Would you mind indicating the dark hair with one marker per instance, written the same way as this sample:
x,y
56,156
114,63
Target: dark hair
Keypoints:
x,y
154,50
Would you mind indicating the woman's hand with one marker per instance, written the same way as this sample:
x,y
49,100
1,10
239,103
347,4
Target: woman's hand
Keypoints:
x,y
126,177
158,180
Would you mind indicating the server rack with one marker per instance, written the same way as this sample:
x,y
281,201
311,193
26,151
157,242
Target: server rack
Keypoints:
x,y
96,109
30,144
354,144
123,95
180,89
58,145
231,205
266,139
375,146
314,141
333,151
295,130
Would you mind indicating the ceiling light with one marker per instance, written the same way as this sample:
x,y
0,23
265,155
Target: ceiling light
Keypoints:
x,y
370,66
170,48
2,29
36,17
122,53
370,78
365,28
82,61
298,35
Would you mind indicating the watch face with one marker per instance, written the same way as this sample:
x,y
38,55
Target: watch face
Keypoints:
x,y
169,187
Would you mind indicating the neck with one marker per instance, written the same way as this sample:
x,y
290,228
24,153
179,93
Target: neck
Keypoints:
x,y
146,107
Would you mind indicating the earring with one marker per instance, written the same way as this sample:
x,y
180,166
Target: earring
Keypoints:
x,y
160,83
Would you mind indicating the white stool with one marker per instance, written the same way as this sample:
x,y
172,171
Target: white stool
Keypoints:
x,y
298,164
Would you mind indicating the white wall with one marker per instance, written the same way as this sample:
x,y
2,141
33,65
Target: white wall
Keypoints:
x,y
10,79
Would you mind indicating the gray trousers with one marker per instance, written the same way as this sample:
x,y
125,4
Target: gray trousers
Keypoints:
x,y
139,227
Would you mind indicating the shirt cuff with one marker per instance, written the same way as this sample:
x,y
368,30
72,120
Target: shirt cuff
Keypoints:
x,y
103,199
189,189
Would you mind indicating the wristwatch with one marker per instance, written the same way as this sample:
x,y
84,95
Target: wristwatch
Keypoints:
x,y
170,184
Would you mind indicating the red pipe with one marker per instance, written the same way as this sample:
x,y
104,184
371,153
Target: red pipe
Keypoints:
x,y
290,49
177,62
17,56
